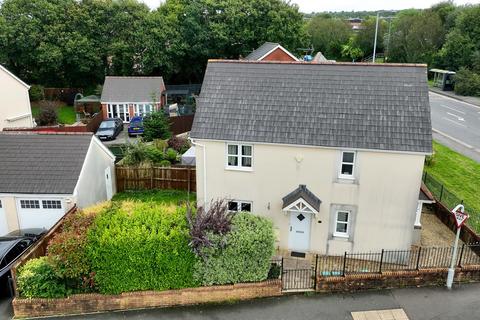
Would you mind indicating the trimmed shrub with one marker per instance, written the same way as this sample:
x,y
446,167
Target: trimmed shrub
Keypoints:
x,y
38,279
165,163
242,255
156,126
36,92
171,155
47,117
178,144
141,246
467,83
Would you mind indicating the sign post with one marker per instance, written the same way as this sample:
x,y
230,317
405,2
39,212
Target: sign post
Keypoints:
x,y
460,218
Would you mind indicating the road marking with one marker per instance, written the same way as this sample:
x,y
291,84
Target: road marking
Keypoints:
x,y
454,122
458,117
452,138
453,109
456,100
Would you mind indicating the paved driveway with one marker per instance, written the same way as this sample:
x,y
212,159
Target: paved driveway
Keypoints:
x,y
5,308
419,304
456,124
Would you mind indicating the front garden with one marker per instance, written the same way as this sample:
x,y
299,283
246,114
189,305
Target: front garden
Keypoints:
x,y
150,240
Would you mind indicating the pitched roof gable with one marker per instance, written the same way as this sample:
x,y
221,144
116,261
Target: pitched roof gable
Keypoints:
x,y
41,163
132,89
337,105
14,76
265,49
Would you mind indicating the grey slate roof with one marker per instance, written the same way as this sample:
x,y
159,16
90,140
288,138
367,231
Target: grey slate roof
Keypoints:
x,y
338,105
132,89
305,194
261,51
41,163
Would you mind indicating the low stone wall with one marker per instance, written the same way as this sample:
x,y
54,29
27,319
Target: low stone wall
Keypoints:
x,y
89,303
397,279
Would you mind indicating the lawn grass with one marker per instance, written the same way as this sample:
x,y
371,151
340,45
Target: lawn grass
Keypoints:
x,y
65,114
460,175
165,196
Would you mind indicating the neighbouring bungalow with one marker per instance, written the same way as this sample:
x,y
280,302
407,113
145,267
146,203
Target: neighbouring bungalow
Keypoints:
x,y
15,111
42,176
271,51
126,97
332,153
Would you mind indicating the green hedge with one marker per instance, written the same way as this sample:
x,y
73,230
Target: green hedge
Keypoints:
x,y
38,279
141,246
243,255
467,83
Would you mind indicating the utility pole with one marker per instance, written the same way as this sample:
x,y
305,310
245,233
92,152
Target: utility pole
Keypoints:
x,y
375,43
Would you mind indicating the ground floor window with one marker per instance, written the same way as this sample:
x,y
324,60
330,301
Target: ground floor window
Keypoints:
x,y
239,206
142,109
118,111
342,220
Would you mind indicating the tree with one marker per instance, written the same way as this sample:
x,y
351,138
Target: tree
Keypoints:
x,y
365,37
456,52
350,51
416,36
328,35
156,126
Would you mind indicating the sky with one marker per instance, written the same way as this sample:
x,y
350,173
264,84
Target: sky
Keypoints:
x,y
308,6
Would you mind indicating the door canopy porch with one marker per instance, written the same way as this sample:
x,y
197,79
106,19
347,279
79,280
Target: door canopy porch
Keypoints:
x,y
302,200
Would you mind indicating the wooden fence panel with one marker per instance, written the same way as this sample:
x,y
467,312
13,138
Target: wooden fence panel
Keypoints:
x,y
147,178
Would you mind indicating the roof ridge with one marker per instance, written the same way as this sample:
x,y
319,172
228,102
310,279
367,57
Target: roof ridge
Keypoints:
x,y
364,64
131,77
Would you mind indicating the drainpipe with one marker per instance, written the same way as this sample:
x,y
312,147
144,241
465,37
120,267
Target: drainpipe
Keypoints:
x,y
204,171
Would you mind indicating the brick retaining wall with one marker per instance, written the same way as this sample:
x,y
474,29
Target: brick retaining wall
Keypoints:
x,y
89,303
397,279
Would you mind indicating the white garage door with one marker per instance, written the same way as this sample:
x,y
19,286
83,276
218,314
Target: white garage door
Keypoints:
x,y
39,213
3,220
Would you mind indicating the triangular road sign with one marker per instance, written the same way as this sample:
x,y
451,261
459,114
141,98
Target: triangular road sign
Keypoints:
x,y
460,218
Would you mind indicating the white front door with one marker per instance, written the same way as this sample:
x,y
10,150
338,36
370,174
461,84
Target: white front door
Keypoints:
x,y
3,220
108,183
299,239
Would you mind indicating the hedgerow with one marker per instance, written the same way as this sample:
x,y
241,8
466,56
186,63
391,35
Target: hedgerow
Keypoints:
x,y
141,246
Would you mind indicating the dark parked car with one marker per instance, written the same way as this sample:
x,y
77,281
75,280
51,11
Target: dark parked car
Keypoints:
x,y
11,248
135,127
109,129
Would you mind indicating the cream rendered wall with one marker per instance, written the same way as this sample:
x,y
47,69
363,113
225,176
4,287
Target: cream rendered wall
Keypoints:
x,y
14,102
91,187
384,194
9,202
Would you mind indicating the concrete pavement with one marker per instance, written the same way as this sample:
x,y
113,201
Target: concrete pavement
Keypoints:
x,y
419,304
456,124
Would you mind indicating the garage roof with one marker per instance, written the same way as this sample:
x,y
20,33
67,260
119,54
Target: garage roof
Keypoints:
x,y
33,163
132,89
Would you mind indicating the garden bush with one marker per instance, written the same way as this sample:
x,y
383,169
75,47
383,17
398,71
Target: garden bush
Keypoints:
x,y
242,255
38,279
179,144
171,155
141,246
156,126
47,117
36,92
467,83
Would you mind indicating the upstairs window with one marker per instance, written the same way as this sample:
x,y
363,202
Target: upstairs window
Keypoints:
x,y
347,165
239,206
239,156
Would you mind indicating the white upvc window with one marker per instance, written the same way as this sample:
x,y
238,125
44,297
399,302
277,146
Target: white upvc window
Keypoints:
x,y
342,223
347,165
52,204
239,206
239,156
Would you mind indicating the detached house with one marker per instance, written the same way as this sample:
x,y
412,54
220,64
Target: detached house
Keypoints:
x,y
15,108
43,175
126,97
332,153
271,51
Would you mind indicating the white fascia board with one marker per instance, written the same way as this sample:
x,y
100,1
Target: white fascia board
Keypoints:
x,y
281,48
14,77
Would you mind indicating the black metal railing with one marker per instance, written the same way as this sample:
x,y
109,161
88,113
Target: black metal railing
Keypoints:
x,y
396,260
448,198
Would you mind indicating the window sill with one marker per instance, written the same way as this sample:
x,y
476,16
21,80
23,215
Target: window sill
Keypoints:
x,y
346,180
341,236
246,169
